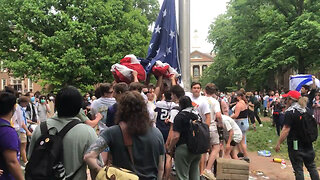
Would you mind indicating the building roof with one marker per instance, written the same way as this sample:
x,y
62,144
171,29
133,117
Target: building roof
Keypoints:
x,y
199,56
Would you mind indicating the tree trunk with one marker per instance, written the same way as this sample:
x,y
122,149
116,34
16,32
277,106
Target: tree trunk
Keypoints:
x,y
301,65
300,7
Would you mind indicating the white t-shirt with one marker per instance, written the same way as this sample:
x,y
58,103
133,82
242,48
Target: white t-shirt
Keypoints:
x,y
173,114
152,115
214,107
230,124
16,119
258,97
200,104
101,106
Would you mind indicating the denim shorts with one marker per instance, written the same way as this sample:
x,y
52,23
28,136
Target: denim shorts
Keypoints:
x,y
243,124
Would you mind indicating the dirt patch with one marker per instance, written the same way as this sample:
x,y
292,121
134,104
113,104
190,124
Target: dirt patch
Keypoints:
x,y
268,168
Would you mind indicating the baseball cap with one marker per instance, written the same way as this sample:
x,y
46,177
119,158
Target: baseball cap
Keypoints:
x,y
292,94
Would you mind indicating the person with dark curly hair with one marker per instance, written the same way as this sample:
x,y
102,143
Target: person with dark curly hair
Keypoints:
x,y
147,142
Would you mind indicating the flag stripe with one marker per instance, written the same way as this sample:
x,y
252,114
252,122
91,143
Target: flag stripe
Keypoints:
x,y
298,88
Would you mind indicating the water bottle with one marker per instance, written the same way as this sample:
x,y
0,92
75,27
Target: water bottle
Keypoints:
x,y
264,153
278,160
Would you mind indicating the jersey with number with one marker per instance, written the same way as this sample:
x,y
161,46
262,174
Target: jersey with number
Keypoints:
x,y
163,109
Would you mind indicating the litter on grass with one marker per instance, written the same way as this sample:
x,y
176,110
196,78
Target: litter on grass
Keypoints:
x,y
264,153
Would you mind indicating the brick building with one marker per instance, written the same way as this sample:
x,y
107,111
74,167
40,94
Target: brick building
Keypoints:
x,y
198,63
22,85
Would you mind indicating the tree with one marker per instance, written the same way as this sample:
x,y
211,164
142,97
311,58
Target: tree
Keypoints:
x,y
70,42
150,8
259,38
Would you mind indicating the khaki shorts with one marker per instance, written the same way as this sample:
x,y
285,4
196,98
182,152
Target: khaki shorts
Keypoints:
x,y
214,137
23,137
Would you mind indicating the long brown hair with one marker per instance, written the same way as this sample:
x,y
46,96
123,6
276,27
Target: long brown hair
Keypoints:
x,y
240,93
132,109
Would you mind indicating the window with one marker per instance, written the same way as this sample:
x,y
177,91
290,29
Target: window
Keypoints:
x,y
204,67
196,71
3,83
196,56
1,66
30,85
17,85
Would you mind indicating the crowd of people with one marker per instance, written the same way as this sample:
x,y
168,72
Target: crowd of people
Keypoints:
x,y
154,117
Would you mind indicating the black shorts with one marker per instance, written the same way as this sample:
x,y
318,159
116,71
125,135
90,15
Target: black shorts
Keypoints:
x,y
232,143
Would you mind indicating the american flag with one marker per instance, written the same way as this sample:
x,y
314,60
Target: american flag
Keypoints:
x,y
163,45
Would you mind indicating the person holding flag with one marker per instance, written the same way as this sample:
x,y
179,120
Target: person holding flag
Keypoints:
x,y
303,83
310,93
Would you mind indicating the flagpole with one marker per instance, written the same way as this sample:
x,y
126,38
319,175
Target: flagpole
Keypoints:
x,y
184,42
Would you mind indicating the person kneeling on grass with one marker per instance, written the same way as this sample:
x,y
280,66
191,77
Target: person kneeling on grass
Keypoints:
x,y
232,135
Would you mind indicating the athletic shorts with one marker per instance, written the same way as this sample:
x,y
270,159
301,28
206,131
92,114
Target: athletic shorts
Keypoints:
x,y
214,136
232,143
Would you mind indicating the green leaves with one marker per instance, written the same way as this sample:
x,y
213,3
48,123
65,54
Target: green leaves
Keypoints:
x,y
149,8
256,38
70,42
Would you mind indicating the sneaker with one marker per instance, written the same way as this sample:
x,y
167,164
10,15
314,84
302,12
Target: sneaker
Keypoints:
x,y
208,174
240,154
246,159
261,125
23,165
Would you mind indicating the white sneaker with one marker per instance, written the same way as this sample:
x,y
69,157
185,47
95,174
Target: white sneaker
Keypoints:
x,y
261,125
208,174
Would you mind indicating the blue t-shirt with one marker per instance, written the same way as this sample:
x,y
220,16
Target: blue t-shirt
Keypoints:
x,y
111,115
265,101
9,140
24,119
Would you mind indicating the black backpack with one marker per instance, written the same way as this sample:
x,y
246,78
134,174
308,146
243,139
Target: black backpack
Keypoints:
x,y
198,139
46,162
309,132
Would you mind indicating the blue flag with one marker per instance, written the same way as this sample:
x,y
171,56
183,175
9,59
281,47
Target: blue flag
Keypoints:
x,y
297,81
163,45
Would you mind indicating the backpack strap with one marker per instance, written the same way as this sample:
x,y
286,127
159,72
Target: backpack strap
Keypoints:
x,y
67,127
177,108
127,139
44,128
5,125
187,114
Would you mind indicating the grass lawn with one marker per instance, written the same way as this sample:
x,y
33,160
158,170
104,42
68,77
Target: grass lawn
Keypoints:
x,y
265,138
